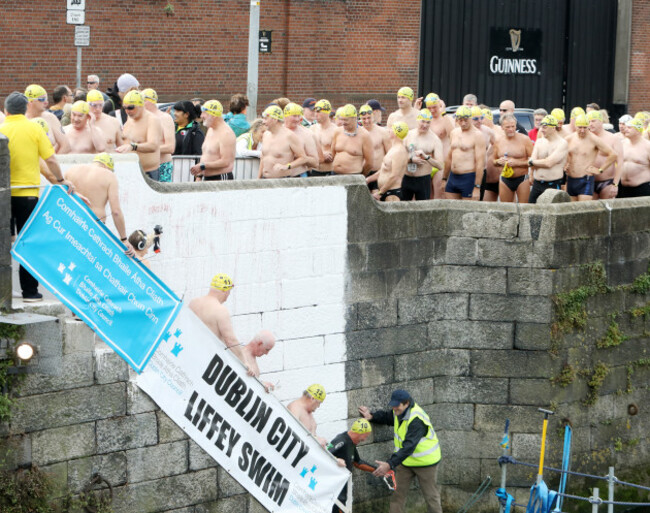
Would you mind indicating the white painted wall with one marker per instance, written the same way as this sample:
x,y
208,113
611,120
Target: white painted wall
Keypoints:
x,y
285,249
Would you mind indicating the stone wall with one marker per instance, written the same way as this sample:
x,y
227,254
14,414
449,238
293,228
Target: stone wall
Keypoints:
x,y
455,301
5,238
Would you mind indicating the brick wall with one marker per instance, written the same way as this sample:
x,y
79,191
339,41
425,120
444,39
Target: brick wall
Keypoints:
x,y
345,50
639,98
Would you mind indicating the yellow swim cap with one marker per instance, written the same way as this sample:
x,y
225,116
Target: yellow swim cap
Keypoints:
x,y
401,129
133,98
431,99
581,120
635,123
641,115
365,109
222,282
549,121
94,96
273,112
577,111
361,426
34,92
406,92
476,112
464,112
323,105
348,111
80,106
106,159
424,115
487,113
150,95
317,392
338,112
42,123
292,109
595,114
558,114
213,107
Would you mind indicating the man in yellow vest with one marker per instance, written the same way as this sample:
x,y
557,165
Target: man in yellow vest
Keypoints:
x,y
416,453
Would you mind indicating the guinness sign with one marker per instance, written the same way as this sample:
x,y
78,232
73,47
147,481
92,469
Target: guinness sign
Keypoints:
x,y
515,51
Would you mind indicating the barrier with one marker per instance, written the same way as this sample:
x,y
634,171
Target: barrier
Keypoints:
x,y
246,168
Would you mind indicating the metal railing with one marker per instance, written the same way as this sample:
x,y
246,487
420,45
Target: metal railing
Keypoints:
x,y
246,168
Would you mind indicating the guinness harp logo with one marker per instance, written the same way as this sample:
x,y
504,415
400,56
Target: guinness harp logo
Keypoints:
x,y
515,39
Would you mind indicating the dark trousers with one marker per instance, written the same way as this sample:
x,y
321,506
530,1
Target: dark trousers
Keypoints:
x,y
21,208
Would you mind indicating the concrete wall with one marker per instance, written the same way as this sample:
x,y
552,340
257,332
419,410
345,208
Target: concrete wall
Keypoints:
x,y
5,238
451,300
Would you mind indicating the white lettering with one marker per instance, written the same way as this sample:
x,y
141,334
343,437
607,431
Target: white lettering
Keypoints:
x,y
512,66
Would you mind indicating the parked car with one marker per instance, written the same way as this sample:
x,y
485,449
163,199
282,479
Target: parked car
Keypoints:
x,y
524,116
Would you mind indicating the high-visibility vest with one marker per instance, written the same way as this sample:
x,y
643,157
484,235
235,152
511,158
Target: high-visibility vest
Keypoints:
x,y
427,451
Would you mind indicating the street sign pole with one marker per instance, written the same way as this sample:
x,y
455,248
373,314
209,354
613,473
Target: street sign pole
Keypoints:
x,y
78,67
253,59
76,15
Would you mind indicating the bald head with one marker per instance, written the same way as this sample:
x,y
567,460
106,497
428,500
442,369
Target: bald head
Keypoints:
x,y
507,106
262,343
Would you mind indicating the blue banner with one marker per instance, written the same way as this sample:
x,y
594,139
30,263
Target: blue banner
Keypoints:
x,y
78,259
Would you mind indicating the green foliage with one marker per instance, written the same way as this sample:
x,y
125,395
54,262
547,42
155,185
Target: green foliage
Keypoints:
x,y
168,9
641,311
614,337
24,491
565,377
596,379
642,284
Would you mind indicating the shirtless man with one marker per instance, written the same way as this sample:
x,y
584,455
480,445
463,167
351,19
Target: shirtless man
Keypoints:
x,y
513,149
470,100
261,345
490,182
379,137
98,184
441,126
142,134
377,111
622,127
548,160
82,134
465,160
304,407
393,166
635,180
324,129
508,107
559,115
425,153
569,129
604,186
219,147
351,145
37,108
168,144
406,111
584,148
212,311
109,126
292,121
281,148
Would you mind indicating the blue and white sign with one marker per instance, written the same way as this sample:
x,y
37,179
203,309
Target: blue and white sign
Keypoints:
x,y
78,259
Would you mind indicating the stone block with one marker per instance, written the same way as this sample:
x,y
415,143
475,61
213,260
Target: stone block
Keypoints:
x,y
168,431
401,282
532,336
365,286
513,363
75,371
137,401
166,493
353,374
470,444
63,443
129,432
357,257
471,334
16,451
462,251
382,255
624,273
630,246
147,463
335,348
462,278
467,221
48,336
454,389
529,391
376,398
550,196
422,252
528,281
578,251
234,504
397,225
377,314
373,343
496,307
510,253
199,459
77,337
109,367
432,307
629,216
69,407
427,364
57,476
228,486
492,417
376,371
451,416
111,467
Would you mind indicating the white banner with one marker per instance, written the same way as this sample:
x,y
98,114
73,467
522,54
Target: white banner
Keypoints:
x,y
204,388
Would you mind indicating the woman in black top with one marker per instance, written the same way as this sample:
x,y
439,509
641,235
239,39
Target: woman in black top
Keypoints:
x,y
189,137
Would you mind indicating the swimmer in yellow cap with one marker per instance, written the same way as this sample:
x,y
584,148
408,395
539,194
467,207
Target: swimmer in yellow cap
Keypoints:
x,y
37,108
82,134
168,143
351,144
142,134
405,112
211,309
604,187
378,137
323,131
635,179
219,147
109,125
304,407
389,178
425,159
282,150
511,153
441,126
293,117
344,448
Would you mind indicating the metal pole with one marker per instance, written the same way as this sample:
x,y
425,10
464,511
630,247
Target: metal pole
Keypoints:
x,y
253,59
505,445
594,505
78,67
610,487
